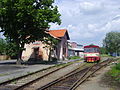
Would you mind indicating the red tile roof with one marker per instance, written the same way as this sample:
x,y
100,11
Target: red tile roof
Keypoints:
x,y
59,33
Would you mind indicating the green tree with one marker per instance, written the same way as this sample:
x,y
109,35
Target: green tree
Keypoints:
x,y
25,21
3,45
11,48
7,47
103,50
112,42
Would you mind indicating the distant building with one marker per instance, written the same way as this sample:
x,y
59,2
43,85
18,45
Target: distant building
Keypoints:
x,y
73,44
37,49
75,49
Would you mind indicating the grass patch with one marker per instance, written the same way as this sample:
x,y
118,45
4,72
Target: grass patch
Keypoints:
x,y
64,64
105,55
74,57
111,79
3,74
115,72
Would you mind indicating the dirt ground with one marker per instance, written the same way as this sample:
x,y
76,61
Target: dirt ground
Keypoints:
x,y
99,81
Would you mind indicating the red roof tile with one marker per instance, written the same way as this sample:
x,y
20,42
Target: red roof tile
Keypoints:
x,y
58,33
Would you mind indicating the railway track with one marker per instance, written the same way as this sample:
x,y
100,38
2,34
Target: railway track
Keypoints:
x,y
74,79
69,81
16,83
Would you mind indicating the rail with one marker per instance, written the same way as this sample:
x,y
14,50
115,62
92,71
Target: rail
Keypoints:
x,y
6,84
74,79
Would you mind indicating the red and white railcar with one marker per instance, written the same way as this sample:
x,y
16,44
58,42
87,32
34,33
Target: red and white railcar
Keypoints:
x,y
92,53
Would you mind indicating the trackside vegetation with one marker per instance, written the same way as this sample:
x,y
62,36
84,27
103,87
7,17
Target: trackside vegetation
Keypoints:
x,y
115,72
74,57
105,55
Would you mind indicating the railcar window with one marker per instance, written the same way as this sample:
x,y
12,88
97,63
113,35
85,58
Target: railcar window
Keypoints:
x,y
91,50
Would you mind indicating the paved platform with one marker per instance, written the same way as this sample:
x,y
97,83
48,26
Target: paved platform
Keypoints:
x,y
9,69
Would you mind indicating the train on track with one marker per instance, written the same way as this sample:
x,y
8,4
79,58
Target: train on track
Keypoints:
x,y
92,53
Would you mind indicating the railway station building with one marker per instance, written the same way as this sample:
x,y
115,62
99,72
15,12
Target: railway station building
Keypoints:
x,y
37,50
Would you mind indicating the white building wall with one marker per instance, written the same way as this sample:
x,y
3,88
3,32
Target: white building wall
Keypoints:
x,y
29,52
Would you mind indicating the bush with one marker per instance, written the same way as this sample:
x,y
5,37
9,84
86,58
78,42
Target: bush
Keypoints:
x,y
118,66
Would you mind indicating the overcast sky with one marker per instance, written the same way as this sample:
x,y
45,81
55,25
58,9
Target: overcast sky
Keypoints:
x,y
88,21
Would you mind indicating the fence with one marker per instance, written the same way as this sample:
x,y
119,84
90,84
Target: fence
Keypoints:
x,y
4,57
